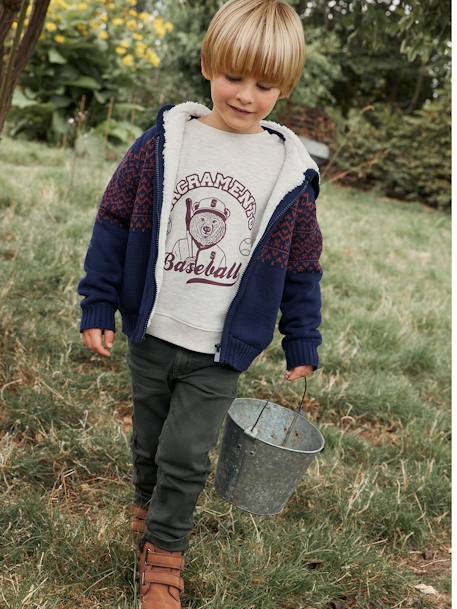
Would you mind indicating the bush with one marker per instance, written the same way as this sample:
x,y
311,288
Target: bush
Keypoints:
x,y
103,51
405,156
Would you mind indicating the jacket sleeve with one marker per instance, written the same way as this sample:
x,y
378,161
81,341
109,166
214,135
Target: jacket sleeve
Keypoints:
x,y
301,300
104,260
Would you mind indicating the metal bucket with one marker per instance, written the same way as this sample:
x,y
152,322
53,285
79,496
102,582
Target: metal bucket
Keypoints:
x,y
266,449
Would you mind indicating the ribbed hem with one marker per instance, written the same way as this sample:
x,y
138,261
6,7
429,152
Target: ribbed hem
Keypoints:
x,y
238,354
185,335
129,324
100,315
301,352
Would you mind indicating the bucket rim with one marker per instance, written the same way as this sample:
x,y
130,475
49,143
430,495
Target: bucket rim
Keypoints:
x,y
250,511
296,450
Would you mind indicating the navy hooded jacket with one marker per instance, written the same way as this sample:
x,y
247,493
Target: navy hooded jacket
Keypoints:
x,y
283,273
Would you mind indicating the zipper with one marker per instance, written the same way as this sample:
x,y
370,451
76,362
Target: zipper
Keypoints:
x,y
265,236
155,243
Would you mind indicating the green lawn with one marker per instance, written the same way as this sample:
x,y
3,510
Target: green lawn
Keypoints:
x,y
370,520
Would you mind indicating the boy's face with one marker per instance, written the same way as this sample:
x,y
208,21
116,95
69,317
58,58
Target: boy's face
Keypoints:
x,y
229,91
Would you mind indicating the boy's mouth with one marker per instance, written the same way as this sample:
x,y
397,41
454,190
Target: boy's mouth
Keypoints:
x,y
238,110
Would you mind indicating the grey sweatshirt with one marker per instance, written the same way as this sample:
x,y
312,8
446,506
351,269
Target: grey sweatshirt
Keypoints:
x,y
223,185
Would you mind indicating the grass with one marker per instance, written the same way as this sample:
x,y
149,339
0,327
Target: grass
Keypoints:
x,y
370,520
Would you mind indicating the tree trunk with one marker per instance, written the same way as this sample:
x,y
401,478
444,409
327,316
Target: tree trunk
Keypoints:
x,y
21,49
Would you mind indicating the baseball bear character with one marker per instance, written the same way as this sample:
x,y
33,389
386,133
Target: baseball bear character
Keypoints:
x,y
206,227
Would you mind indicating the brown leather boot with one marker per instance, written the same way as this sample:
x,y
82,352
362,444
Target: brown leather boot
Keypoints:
x,y
138,528
161,583
139,520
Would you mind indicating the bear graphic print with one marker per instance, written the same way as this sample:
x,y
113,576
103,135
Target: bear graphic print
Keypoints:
x,y
219,195
203,252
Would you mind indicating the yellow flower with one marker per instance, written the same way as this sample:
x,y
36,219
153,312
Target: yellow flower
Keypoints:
x,y
140,51
103,17
133,2
125,44
153,58
128,60
133,13
159,27
14,25
103,35
131,24
144,16
51,27
137,36
169,26
83,6
118,21
59,39
120,51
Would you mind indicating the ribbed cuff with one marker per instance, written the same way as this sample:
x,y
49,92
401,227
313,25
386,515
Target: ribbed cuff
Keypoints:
x,y
300,352
98,316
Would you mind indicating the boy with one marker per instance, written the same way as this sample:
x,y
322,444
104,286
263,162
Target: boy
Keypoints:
x,y
207,228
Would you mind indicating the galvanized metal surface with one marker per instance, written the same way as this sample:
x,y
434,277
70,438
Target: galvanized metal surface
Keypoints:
x,y
260,464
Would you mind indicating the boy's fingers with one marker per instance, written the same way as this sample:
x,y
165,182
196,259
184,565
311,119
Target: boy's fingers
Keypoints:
x,y
88,336
93,340
109,338
98,345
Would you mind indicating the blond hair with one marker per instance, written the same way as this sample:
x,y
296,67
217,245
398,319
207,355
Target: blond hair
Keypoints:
x,y
262,38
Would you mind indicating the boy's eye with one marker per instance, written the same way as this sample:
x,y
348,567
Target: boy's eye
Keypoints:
x,y
235,79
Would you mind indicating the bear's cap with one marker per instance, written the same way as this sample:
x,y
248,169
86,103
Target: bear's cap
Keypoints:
x,y
211,204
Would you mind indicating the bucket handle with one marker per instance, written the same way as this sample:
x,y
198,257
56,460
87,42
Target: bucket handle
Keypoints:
x,y
300,410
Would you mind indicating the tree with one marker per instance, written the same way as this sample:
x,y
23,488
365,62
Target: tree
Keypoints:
x,y
390,50
24,40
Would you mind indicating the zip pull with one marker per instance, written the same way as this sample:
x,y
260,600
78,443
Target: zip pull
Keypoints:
x,y
218,352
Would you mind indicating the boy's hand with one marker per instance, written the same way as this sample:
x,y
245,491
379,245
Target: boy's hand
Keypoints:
x,y
298,373
93,340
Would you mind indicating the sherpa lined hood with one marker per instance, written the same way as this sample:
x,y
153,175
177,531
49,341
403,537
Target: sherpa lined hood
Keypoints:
x,y
172,118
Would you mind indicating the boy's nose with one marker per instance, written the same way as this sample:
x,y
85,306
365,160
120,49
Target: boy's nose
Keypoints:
x,y
245,98
244,103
